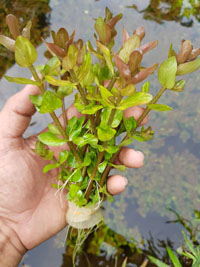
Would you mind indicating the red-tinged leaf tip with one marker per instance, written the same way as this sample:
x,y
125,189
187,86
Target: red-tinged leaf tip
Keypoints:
x,y
148,46
55,50
62,37
194,54
143,74
186,49
135,60
125,35
13,25
140,31
123,68
112,22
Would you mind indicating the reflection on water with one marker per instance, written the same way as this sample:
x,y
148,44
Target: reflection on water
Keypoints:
x,y
181,11
170,176
36,11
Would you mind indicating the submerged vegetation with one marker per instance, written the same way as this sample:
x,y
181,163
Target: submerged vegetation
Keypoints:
x,y
103,91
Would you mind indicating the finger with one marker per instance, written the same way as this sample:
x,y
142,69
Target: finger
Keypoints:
x,y
17,112
116,184
131,158
136,112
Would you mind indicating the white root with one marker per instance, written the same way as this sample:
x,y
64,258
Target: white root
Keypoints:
x,y
83,218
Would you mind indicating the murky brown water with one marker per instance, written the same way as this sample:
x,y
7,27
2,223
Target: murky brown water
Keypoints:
x,y
171,174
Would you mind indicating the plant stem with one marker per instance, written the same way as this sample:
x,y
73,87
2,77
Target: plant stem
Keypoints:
x,y
63,105
140,119
101,154
54,117
84,99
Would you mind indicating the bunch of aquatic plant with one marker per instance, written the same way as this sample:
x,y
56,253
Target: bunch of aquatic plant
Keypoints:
x,y
104,82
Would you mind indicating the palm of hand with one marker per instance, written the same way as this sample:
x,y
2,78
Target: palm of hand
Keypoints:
x,y
27,199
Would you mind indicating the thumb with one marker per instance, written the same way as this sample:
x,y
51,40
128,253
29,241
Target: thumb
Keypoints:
x,y
16,114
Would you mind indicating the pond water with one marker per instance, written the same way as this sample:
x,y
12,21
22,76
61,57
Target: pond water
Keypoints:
x,y
170,177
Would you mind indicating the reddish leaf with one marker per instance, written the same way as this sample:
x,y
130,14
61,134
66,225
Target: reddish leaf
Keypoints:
x,y
194,54
186,49
70,41
148,46
112,22
13,25
125,35
135,60
123,68
79,44
55,50
140,31
62,37
143,74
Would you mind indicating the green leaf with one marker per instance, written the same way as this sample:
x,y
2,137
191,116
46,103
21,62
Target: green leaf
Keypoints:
x,y
179,86
56,82
105,93
158,262
74,127
51,67
65,90
125,262
188,67
129,90
50,102
26,32
102,166
105,133
50,139
139,138
145,87
92,108
132,43
129,124
117,118
73,190
87,159
118,167
126,142
167,72
77,176
53,129
111,149
25,52
63,156
173,258
106,53
36,100
103,31
138,98
50,167
86,139
21,80
189,244
69,61
85,67
159,107
71,160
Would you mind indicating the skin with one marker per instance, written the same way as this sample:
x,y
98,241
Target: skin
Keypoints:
x,y
30,212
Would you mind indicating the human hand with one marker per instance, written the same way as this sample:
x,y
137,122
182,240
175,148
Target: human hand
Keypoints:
x,y
28,205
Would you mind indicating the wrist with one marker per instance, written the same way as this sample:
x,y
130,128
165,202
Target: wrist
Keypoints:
x,y
11,248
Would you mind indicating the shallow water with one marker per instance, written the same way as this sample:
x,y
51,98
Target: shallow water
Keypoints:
x,y
171,173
